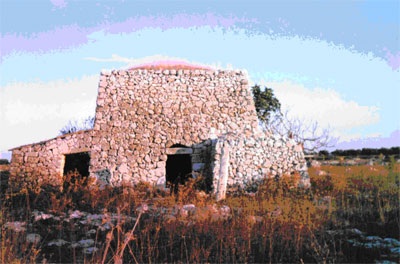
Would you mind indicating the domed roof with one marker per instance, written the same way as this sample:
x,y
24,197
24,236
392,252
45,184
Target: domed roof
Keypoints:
x,y
170,65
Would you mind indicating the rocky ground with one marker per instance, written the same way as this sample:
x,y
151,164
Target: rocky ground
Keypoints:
x,y
85,233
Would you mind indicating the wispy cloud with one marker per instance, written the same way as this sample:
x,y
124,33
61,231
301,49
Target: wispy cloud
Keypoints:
x,y
327,107
69,36
176,21
27,104
393,59
371,141
114,58
60,4
59,38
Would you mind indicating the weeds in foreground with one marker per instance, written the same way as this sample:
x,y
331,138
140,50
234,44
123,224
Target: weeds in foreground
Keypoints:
x,y
364,196
278,223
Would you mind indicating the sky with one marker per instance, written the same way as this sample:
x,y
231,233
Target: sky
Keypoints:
x,y
336,63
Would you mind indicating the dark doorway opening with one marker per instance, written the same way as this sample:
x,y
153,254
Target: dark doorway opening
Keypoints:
x,y
178,170
76,162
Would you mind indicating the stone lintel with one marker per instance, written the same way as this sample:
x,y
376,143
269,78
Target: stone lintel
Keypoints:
x,y
178,151
77,150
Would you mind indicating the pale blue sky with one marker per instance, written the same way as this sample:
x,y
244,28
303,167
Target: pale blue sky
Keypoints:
x,y
342,57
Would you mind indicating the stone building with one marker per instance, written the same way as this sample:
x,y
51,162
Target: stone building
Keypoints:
x,y
162,123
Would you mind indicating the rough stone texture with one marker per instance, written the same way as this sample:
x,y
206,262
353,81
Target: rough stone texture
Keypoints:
x,y
256,156
43,162
142,113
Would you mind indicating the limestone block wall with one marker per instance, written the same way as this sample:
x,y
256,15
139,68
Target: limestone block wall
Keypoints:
x,y
43,162
141,113
256,156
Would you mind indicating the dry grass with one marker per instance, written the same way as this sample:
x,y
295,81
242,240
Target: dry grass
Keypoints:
x,y
363,196
279,223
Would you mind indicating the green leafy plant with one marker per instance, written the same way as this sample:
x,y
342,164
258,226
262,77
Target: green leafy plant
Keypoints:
x,y
266,103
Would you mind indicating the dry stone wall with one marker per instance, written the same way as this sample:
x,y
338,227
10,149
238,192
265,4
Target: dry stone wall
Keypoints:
x,y
43,162
141,113
256,156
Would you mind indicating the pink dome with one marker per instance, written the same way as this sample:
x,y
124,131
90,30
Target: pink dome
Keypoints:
x,y
171,65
